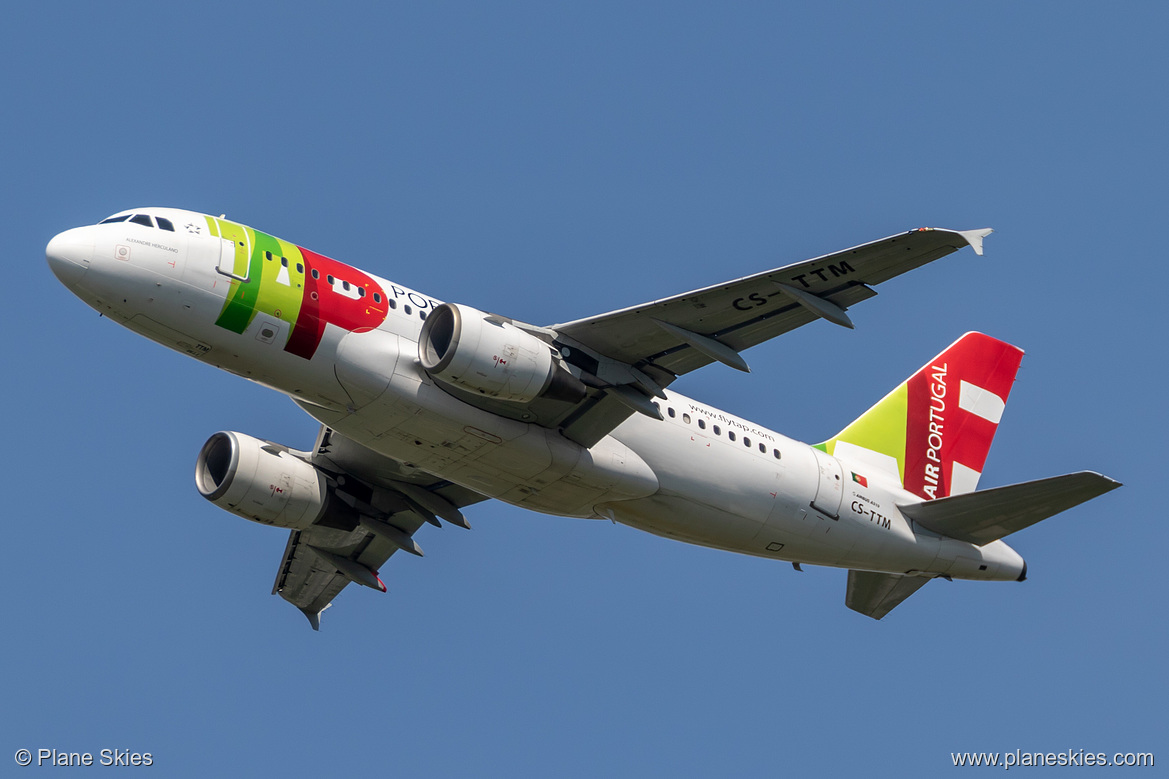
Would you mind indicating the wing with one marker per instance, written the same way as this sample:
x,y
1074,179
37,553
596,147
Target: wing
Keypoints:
x,y
876,594
742,313
389,503
636,351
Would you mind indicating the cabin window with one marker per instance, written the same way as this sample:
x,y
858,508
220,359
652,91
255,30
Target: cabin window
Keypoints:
x,y
731,434
142,219
121,218
316,273
165,223
763,448
421,314
670,411
775,453
300,267
284,261
361,292
702,424
718,430
377,298
407,309
746,442
686,418
393,304
330,279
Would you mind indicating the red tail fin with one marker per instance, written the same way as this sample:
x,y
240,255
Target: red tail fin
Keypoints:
x,y
954,405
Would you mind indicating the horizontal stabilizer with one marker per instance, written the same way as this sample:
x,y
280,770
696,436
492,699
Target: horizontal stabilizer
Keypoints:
x,y
876,594
988,515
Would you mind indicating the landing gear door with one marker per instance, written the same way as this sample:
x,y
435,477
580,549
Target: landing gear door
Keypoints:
x,y
830,487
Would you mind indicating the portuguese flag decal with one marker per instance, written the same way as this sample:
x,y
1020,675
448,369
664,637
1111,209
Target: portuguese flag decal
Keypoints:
x,y
861,480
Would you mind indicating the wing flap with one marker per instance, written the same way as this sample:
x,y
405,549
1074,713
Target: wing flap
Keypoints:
x,y
988,515
876,594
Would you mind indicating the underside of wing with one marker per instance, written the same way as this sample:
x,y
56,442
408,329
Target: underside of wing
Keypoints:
x,y
310,581
742,313
386,503
637,351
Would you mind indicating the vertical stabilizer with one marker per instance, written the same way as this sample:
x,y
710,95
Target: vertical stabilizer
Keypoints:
x,y
938,425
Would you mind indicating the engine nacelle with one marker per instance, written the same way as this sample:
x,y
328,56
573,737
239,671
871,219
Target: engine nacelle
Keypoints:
x,y
489,356
258,481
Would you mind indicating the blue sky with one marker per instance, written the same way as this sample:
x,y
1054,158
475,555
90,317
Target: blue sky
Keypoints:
x,y
551,161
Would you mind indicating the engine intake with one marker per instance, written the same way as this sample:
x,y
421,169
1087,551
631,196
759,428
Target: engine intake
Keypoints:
x,y
490,356
258,481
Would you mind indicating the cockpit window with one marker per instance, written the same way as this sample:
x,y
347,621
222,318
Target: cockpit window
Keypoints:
x,y
121,218
142,219
165,223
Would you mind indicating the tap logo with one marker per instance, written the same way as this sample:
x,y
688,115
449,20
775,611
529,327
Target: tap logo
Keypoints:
x,y
290,282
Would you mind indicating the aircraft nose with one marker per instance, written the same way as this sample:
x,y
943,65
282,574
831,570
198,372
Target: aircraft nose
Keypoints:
x,y
68,255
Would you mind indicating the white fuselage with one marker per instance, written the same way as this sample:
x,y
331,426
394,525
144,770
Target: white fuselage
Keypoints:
x,y
682,477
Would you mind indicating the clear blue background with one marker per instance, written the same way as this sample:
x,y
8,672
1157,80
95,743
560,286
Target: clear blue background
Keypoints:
x,y
551,161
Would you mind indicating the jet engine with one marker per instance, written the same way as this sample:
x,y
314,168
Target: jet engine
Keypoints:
x,y
488,355
262,482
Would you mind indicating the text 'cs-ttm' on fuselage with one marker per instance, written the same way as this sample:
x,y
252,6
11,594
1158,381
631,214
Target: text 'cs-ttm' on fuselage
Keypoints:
x,y
428,407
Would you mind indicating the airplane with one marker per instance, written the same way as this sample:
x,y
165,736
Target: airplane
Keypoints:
x,y
428,407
